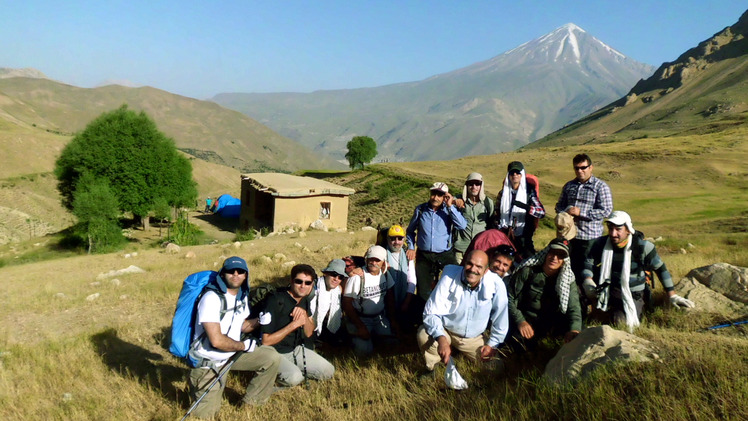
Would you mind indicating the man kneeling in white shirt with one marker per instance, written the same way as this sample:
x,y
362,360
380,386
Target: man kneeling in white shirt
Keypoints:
x,y
466,300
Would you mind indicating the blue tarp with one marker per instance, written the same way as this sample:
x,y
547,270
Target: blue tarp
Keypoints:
x,y
228,206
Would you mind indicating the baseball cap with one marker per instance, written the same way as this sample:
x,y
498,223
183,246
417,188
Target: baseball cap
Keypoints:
x,y
439,186
376,252
515,165
559,244
234,262
619,218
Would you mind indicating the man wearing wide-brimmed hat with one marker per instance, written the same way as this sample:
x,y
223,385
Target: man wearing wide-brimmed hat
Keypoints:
x,y
476,208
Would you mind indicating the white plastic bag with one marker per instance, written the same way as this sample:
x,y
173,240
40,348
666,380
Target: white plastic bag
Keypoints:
x,y
453,378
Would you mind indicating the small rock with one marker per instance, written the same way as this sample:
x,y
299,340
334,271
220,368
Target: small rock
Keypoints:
x,y
123,297
190,255
116,282
691,246
279,257
683,251
237,245
93,297
325,248
288,265
60,295
128,255
306,250
318,225
368,228
658,239
95,284
134,254
67,397
265,259
297,244
172,248
290,231
351,232
302,234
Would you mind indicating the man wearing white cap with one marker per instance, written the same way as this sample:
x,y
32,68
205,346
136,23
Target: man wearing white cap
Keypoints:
x,y
614,273
430,229
476,208
364,300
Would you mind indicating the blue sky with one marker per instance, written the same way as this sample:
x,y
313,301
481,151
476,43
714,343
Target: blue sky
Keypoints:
x,y
201,48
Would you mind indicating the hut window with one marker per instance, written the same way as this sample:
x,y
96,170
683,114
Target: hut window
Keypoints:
x,y
324,210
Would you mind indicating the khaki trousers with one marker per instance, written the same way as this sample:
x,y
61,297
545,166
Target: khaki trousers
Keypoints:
x,y
264,361
468,346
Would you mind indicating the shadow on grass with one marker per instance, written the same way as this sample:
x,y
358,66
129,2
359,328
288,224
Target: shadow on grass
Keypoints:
x,y
223,224
130,360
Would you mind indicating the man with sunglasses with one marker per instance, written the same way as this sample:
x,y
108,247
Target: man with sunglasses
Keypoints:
x,y
476,208
403,274
217,337
325,305
430,230
519,209
589,200
290,328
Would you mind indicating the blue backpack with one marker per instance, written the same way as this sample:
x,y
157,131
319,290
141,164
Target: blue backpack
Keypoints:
x,y
185,316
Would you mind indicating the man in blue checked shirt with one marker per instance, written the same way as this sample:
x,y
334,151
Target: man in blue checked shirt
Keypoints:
x,y
466,300
589,200
430,230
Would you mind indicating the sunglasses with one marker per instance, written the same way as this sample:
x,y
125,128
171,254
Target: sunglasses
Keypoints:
x,y
437,193
233,271
581,167
514,172
302,282
398,238
473,183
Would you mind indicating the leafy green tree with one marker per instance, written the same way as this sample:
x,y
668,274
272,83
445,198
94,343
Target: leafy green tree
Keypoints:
x,y
139,163
361,150
97,211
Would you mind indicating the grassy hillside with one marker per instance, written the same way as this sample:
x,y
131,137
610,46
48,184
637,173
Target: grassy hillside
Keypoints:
x,y
34,107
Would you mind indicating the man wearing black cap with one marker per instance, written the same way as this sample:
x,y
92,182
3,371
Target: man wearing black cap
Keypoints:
x,y
518,208
221,318
543,297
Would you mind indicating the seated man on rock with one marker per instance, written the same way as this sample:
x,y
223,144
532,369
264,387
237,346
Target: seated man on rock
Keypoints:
x,y
290,328
543,297
615,273
466,299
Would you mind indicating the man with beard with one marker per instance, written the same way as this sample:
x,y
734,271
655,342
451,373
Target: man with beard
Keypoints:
x,y
403,274
476,208
290,330
466,300
364,300
430,230
543,297
619,262
218,337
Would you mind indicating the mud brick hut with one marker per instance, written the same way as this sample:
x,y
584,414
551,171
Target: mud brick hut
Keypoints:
x,y
279,201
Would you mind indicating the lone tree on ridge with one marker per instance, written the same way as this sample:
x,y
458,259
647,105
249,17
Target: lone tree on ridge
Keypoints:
x,y
361,150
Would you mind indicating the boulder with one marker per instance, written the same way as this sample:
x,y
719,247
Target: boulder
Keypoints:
x,y
730,281
279,257
594,347
318,225
190,255
172,248
709,300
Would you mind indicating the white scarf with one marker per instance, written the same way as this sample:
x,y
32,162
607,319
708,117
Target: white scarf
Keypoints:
x,y
629,308
326,302
508,212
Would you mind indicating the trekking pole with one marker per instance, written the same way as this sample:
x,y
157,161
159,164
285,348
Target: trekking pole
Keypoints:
x,y
727,325
224,370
